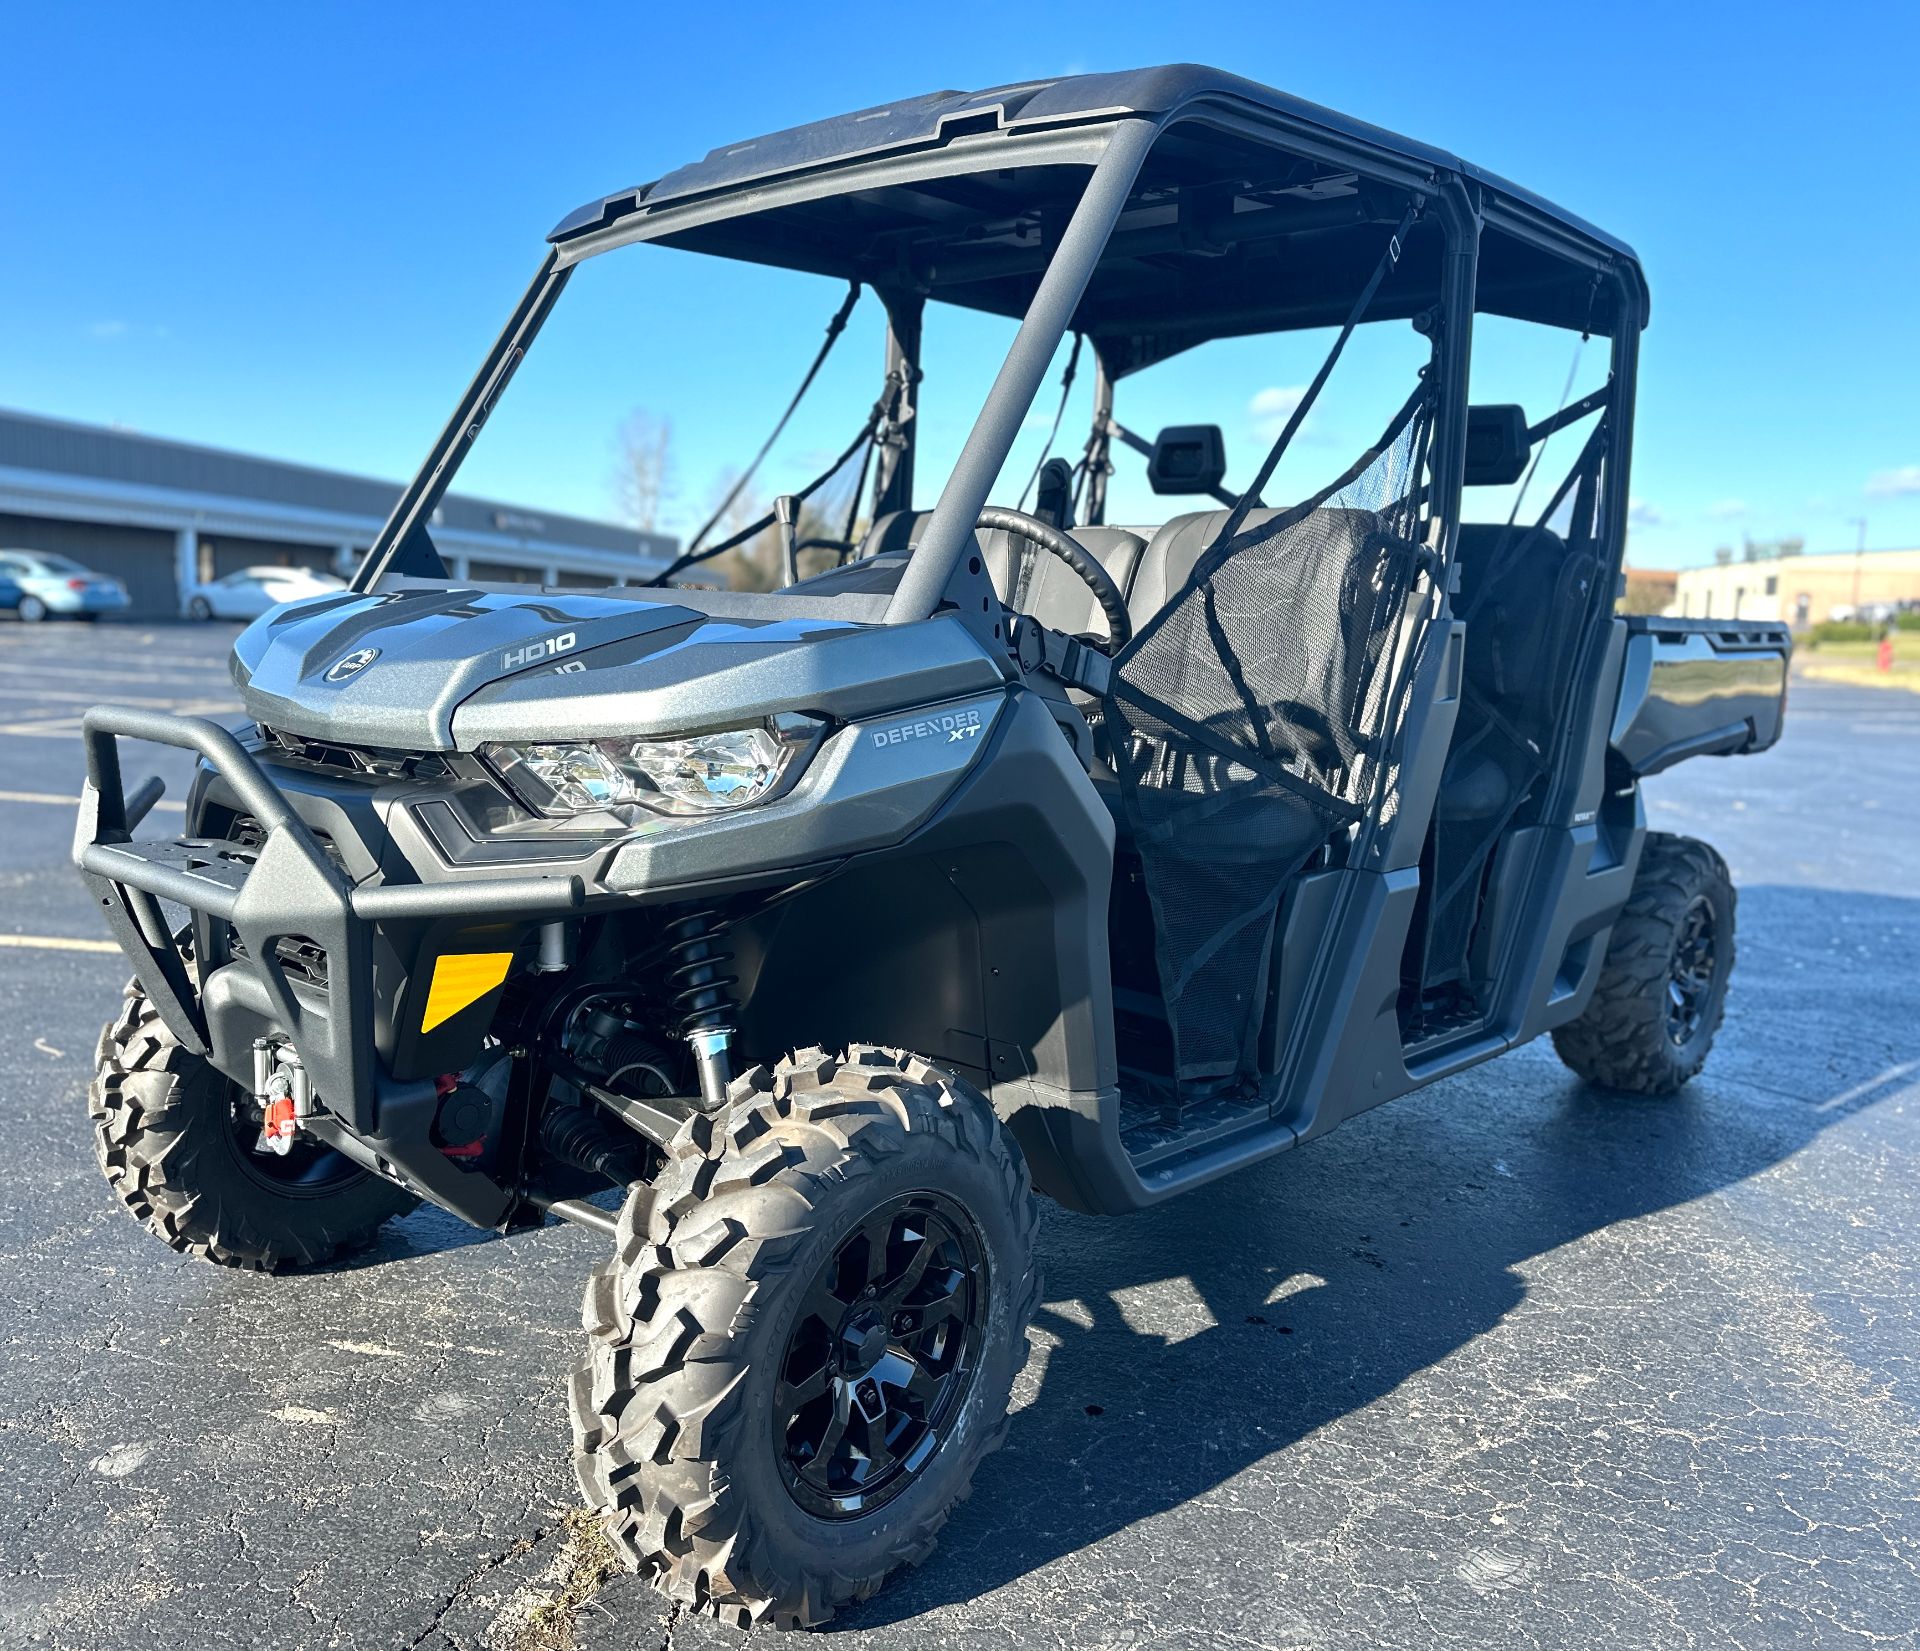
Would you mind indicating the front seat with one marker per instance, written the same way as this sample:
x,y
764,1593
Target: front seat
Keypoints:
x,y
1029,579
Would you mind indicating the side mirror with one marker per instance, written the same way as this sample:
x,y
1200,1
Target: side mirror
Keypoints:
x,y
1187,458
1497,446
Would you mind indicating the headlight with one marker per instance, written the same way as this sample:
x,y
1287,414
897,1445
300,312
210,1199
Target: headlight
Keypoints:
x,y
699,774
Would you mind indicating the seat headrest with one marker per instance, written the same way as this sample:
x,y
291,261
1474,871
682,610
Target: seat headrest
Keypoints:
x,y
1497,447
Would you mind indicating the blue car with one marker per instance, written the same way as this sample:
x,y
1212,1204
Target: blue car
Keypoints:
x,y
46,586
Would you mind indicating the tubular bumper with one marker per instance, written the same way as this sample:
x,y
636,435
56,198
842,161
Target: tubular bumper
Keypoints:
x,y
286,887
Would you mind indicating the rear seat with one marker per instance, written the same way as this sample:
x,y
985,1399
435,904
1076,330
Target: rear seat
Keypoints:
x,y
1524,595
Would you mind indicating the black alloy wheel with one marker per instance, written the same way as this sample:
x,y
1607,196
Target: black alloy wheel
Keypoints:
x,y
805,1341
1662,986
880,1357
307,1169
1692,975
177,1139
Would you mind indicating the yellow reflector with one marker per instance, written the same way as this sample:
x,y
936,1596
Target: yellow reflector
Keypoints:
x,y
462,979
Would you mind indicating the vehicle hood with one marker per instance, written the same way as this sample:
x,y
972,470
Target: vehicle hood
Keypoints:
x,y
439,670
389,670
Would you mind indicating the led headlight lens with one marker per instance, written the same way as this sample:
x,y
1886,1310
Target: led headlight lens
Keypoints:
x,y
699,774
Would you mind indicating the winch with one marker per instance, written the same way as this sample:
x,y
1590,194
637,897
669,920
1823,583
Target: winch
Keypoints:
x,y
284,1093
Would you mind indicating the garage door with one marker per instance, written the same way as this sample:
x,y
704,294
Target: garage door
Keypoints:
x,y
141,558
227,554
498,573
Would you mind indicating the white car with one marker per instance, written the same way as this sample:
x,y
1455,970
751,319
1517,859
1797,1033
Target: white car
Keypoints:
x,y
51,586
250,592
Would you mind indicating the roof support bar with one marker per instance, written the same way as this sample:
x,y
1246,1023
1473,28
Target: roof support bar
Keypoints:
x,y
950,529
893,478
416,505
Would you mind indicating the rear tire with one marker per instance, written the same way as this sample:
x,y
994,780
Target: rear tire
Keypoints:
x,y
1663,986
713,1416
173,1149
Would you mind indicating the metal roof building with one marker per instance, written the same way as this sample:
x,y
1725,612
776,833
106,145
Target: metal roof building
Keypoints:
x,y
161,515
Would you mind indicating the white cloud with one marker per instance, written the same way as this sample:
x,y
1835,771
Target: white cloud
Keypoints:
x,y
1642,514
1273,406
1903,483
1727,510
113,330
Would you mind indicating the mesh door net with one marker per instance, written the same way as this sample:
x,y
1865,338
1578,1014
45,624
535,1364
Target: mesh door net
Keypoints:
x,y
1251,717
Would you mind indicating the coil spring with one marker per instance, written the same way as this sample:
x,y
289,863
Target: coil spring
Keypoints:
x,y
700,976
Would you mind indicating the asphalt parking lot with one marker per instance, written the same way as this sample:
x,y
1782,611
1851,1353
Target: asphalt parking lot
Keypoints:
x,y
1508,1362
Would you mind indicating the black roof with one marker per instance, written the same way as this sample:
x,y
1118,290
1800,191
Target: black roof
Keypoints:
x,y
1030,105
1158,303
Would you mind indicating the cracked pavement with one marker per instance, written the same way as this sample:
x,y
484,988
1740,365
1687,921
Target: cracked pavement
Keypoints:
x,y
1505,1362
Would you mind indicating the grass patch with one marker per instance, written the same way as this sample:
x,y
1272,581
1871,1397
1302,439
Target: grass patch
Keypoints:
x,y
1857,663
543,1618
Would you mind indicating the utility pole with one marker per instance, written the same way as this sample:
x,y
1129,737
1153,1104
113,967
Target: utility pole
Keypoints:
x,y
1859,554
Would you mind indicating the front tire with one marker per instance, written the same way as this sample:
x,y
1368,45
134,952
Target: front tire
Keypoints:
x,y
32,610
200,608
806,1340
1663,986
174,1148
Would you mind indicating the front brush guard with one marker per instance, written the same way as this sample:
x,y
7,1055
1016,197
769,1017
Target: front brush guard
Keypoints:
x,y
286,887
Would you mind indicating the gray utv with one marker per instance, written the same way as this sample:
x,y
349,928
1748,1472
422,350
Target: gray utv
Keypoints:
x,y
1005,850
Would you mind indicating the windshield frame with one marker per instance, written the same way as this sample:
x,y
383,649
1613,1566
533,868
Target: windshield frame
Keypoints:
x,y
1112,152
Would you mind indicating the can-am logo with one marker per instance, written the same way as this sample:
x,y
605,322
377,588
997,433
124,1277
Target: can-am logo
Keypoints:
x,y
351,664
534,652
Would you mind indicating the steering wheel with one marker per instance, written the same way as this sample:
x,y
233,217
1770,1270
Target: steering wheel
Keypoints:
x,y
1076,555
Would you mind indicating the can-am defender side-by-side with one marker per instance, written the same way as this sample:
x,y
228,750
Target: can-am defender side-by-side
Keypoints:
x,y
1004,847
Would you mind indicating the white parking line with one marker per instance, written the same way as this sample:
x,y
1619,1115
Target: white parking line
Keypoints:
x,y
60,696
68,727
73,802
1893,1074
121,657
56,943
113,673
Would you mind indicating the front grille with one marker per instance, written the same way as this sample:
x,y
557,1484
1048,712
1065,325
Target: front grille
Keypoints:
x,y
250,834
303,959
355,760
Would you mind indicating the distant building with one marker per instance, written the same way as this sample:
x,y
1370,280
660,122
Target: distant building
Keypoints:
x,y
160,515
1802,590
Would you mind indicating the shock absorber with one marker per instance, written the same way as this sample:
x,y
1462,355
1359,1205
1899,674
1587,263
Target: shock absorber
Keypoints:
x,y
701,979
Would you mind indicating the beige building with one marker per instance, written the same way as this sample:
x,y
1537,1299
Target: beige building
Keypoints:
x,y
1802,590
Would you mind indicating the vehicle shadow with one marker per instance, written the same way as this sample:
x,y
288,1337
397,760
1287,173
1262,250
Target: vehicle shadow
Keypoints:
x,y
428,1230
1188,1343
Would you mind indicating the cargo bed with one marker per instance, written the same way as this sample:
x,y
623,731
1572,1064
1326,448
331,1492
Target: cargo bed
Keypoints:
x,y
1699,687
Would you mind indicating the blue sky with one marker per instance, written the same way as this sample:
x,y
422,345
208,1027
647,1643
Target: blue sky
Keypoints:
x,y
295,233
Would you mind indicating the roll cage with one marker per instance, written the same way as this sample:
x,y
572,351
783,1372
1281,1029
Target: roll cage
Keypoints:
x,y
1147,211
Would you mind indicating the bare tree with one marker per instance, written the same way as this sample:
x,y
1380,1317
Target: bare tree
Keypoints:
x,y
754,565
1648,591
643,477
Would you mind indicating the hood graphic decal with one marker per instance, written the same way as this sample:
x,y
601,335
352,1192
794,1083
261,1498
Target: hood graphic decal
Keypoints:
x,y
388,670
